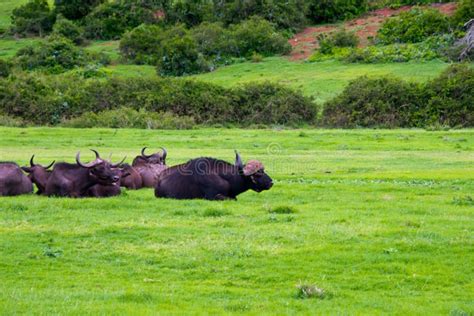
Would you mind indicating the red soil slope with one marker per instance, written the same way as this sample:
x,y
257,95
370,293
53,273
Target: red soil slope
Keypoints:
x,y
365,27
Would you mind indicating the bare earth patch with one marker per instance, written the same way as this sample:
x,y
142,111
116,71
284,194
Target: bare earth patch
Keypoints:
x,y
365,27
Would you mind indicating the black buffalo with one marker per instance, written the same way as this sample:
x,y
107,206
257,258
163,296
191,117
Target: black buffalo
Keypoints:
x,y
13,181
75,180
130,178
212,179
38,174
100,190
150,167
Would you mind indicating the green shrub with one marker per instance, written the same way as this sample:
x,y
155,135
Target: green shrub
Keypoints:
x,y
464,12
49,100
55,55
142,45
382,102
413,26
270,103
75,9
432,48
340,38
180,57
451,97
5,68
68,29
9,121
130,118
190,12
321,11
214,41
33,18
258,35
111,19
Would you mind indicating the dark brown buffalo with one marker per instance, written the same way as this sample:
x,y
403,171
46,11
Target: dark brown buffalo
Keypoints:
x,y
130,178
150,167
212,179
38,174
13,181
100,190
75,180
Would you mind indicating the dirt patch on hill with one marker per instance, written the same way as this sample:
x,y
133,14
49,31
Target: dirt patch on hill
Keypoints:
x,y
365,27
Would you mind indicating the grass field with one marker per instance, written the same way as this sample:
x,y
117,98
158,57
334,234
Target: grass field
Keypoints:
x,y
381,220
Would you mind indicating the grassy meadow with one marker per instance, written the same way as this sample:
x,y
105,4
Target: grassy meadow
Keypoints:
x,y
381,220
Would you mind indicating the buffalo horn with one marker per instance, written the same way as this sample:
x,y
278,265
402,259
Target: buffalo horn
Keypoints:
x,y
238,160
163,155
32,164
118,164
143,152
88,165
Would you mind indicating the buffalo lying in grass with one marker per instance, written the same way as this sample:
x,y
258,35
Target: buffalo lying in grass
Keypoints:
x,y
75,180
150,167
13,181
212,179
130,178
38,174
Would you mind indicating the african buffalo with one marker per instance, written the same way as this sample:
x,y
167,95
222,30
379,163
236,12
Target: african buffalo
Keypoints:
x,y
38,174
13,181
130,177
212,179
75,180
100,190
150,166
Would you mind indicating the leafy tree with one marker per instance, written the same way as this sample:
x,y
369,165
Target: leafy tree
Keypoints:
x,y
320,11
68,29
75,9
142,45
33,18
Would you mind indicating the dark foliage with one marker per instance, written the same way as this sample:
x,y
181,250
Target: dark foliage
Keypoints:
x,y
464,12
75,9
33,18
142,45
340,38
451,97
413,26
321,11
5,68
50,100
66,28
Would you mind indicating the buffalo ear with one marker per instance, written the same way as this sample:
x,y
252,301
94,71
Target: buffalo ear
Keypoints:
x,y
26,169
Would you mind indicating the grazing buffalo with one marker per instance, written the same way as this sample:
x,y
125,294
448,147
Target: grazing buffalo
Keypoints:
x,y
150,167
212,179
13,181
130,178
38,174
75,180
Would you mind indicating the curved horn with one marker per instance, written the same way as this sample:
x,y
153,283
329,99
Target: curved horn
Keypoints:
x,y
163,155
78,161
32,164
50,165
143,152
97,156
118,164
238,160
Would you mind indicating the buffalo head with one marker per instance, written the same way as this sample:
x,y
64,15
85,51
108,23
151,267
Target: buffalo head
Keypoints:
x,y
255,171
155,158
103,170
38,174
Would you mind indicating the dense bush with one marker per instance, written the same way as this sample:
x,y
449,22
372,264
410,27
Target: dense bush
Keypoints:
x,y
387,102
340,38
142,45
213,40
258,35
451,97
33,18
50,100
180,57
321,11
75,9
190,12
66,28
378,4
432,48
111,19
464,12
269,103
54,55
5,68
383,102
413,26
130,118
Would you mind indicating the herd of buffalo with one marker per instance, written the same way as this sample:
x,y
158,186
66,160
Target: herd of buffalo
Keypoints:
x,y
200,178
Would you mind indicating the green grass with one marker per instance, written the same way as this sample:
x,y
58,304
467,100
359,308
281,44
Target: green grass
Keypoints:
x,y
381,221
9,46
323,80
